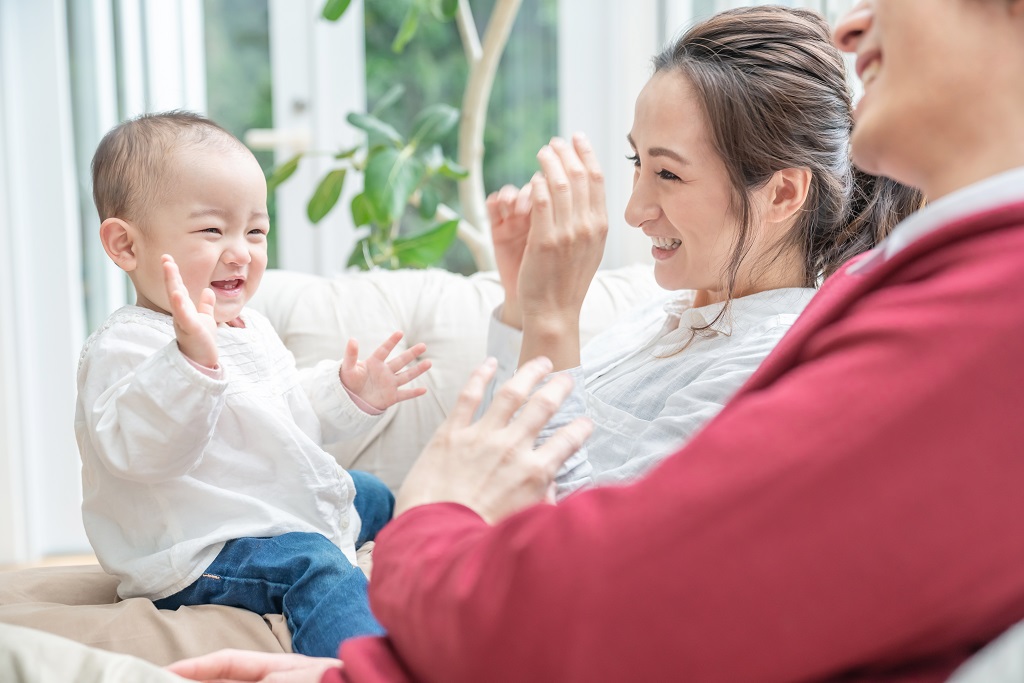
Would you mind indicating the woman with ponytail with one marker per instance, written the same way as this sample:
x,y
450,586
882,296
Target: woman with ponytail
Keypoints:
x,y
744,183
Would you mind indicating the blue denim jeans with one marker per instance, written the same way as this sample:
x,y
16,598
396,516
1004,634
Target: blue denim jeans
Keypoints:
x,y
374,502
303,576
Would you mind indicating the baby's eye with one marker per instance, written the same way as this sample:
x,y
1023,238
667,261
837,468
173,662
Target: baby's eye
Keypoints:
x,y
258,231
212,231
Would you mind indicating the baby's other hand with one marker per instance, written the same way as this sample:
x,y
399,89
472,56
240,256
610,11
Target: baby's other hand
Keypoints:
x,y
377,380
194,325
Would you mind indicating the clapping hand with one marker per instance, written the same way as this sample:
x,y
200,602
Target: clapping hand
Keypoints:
x,y
377,380
491,465
509,212
194,324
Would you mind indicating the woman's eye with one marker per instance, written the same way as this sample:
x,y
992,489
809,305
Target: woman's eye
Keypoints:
x,y
667,175
635,158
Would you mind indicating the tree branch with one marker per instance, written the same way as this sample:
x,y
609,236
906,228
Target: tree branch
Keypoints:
x,y
474,115
468,34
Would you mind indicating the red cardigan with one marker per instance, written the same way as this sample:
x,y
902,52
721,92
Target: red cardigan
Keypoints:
x,y
855,513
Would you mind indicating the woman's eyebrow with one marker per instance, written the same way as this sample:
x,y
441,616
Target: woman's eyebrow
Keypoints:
x,y
661,152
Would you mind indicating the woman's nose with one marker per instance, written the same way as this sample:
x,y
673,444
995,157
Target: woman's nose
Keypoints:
x,y
640,208
852,27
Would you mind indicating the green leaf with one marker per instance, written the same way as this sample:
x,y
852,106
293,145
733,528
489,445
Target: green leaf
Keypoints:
x,y
363,212
449,8
333,9
347,153
390,179
407,30
432,124
427,248
433,157
283,173
374,127
443,10
429,199
393,94
326,195
361,255
453,170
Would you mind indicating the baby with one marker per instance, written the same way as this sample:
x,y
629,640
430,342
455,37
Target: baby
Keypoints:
x,y
203,473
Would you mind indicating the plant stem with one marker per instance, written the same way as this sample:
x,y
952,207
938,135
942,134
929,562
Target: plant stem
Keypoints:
x,y
467,32
472,193
478,242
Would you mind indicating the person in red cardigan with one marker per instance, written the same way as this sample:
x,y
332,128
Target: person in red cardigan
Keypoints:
x,y
853,514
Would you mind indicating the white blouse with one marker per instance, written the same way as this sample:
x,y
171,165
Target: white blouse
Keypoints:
x,y
176,462
647,387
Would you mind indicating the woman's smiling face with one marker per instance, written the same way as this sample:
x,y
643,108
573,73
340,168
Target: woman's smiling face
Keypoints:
x,y
682,196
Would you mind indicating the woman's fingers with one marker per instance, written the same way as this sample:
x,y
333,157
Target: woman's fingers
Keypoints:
x,y
578,179
511,395
595,176
523,202
557,188
472,394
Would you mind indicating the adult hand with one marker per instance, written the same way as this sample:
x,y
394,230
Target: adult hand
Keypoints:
x,y
377,380
568,226
194,325
244,665
509,212
491,465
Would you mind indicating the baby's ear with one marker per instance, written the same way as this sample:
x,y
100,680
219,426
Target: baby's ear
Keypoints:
x,y
118,238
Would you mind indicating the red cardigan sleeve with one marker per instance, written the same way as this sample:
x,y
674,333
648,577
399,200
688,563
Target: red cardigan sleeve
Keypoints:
x,y
859,514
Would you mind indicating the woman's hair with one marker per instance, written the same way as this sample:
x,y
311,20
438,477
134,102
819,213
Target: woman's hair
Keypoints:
x,y
130,164
774,91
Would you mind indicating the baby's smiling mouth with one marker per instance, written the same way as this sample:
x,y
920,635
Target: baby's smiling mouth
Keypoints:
x,y
228,286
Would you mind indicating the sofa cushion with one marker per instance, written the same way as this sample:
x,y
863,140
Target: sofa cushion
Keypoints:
x,y
316,315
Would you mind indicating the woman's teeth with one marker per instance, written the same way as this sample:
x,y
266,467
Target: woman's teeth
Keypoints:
x,y
666,243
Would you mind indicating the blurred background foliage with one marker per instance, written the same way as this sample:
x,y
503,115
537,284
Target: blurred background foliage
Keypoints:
x,y
523,111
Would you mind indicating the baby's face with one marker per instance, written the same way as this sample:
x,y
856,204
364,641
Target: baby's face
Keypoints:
x,y
212,218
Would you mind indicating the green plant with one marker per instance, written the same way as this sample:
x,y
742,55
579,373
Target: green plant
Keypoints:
x,y
402,173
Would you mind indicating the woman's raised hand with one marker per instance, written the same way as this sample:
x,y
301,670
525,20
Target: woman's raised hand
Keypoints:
x,y
491,465
568,226
509,212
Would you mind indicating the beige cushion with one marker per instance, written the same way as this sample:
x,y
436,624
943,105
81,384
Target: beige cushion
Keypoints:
x,y
28,656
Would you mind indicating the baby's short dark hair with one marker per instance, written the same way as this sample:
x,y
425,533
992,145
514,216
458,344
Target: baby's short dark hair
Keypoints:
x,y
131,159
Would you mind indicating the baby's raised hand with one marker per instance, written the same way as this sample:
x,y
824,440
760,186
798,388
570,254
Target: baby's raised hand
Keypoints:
x,y
194,326
377,380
